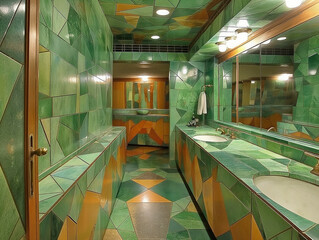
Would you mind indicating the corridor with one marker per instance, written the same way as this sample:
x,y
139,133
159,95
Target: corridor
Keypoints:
x,y
153,202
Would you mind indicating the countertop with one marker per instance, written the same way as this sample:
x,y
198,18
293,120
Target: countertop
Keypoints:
x,y
246,161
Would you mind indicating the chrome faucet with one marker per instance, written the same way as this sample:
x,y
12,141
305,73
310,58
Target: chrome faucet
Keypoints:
x,y
272,129
221,130
315,169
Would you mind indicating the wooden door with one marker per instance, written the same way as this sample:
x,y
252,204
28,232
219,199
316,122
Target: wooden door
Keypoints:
x,y
31,119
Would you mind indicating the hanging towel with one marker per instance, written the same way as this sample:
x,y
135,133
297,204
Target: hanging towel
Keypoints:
x,y
202,104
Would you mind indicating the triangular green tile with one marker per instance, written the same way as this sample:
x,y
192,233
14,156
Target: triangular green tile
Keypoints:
x,y
234,208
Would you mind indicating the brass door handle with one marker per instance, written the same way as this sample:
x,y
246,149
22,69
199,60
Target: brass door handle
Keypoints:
x,y
39,152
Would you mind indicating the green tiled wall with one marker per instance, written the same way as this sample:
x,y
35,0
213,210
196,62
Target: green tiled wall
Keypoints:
x,y
75,78
306,74
12,43
186,81
225,90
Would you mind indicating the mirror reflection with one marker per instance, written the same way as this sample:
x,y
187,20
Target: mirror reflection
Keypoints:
x,y
278,84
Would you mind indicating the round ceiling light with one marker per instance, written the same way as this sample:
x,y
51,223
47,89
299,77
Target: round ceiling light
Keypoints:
x,y
231,42
242,34
222,46
162,12
155,37
293,3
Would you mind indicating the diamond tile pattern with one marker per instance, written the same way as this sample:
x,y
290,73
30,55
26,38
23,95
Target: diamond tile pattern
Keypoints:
x,y
151,215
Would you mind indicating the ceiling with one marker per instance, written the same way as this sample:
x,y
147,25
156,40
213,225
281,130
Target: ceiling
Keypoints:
x,y
135,21
258,14
138,69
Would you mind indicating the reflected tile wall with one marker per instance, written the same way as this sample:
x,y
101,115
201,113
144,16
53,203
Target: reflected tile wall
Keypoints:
x,y
75,78
12,43
303,123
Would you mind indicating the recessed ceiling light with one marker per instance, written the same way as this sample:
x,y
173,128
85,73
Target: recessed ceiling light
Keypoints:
x,y
281,38
162,12
266,42
155,37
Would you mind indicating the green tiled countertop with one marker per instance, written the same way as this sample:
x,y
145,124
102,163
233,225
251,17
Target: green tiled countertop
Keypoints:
x,y
246,161
57,184
304,145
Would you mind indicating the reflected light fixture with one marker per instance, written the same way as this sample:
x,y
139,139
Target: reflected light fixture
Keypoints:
x,y
242,23
242,34
284,77
293,3
144,78
281,38
162,12
222,46
253,82
231,42
266,42
155,37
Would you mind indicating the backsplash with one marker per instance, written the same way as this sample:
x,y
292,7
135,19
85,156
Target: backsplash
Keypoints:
x,y
12,53
75,78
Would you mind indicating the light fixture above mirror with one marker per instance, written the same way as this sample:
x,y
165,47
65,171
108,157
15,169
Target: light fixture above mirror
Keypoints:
x,y
222,46
242,34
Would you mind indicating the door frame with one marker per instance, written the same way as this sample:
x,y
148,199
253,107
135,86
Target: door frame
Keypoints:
x,y
31,119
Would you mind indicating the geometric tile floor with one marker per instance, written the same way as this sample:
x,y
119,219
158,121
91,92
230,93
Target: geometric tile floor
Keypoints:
x,y
153,202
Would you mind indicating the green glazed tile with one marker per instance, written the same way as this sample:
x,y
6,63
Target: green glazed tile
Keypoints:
x,y
8,211
7,79
189,220
14,40
63,207
76,204
234,207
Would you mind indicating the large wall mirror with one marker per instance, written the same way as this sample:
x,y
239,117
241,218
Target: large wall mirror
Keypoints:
x,y
277,83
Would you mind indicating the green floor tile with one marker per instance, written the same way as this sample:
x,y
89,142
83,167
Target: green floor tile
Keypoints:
x,y
171,190
129,190
189,220
183,235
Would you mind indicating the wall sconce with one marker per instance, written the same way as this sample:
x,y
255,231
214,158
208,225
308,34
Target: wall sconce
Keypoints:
x,y
293,3
222,46
242,34
231,42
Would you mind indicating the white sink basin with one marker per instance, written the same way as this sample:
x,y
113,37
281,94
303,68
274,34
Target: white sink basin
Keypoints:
x,y
210,138
295,195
